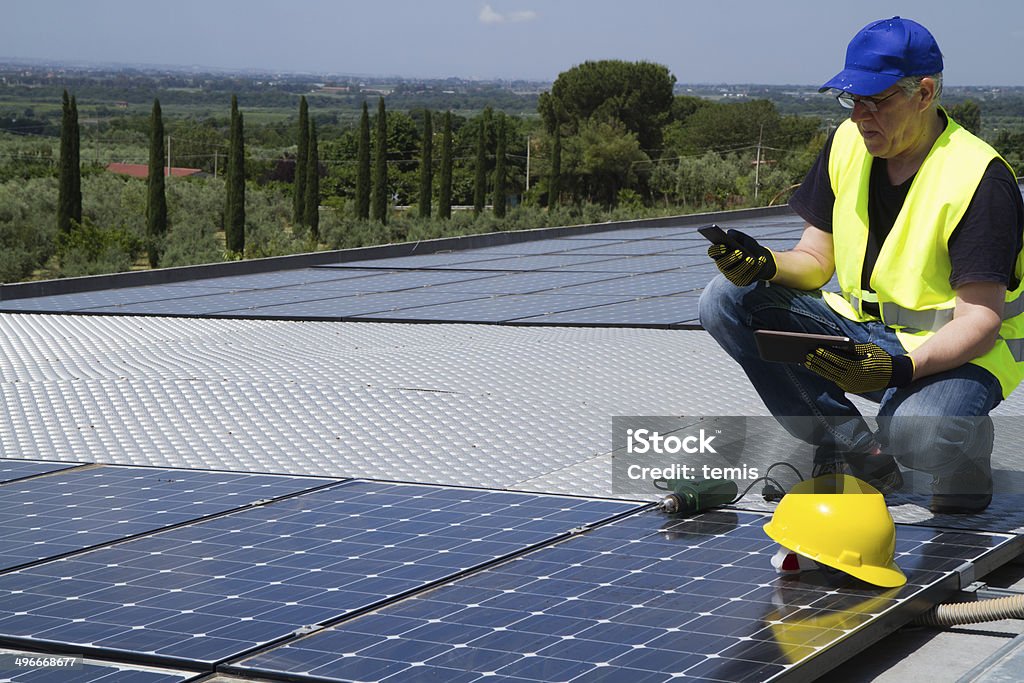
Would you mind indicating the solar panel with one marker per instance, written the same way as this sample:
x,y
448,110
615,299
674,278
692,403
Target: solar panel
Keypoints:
x,y
440,259
78,301
648,598
393,281
337,308
36,667
654,311
11,470
526,283
641,264
75,509
664,283
544,246
631,248
494,309
283,278
218,588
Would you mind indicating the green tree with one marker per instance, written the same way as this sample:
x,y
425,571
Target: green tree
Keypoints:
x,y
69,201
480,168
610,155
728,127
639,94
968,115
444,198
363,166
234,213
380,200
156,198
312,203
426,166
500,171
555,176
301,164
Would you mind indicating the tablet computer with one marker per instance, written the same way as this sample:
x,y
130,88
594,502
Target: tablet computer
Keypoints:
x,y
793,347
715,235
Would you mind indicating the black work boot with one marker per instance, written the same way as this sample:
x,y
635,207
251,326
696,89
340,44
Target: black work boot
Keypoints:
x,y
876,468
967,491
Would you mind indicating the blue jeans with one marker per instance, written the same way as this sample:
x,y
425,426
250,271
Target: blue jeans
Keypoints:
x,y
938,424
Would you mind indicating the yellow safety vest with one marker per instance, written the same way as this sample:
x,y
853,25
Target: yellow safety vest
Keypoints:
x,y
910,280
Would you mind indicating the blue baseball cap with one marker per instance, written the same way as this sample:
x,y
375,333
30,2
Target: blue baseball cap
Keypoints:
x,y
882,53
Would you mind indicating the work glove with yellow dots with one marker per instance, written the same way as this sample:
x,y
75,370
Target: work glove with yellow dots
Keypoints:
x,y
869,368
743,266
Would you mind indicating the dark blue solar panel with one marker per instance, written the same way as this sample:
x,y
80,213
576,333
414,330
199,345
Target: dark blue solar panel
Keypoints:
x,y
648,598
218,588
631,248
495,309
351,306
655,311
642,264
283,278
540,262
19,469
392,281
548,246
75,509
80,301
528,282
441,259
654,284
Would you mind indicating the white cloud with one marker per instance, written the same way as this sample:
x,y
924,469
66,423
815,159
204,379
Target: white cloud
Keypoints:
x,y
489,16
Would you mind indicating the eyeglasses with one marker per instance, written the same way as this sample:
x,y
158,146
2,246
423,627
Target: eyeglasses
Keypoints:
x,y
870,103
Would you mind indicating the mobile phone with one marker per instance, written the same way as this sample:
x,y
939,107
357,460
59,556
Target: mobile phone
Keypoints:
x,y
715,235
793,347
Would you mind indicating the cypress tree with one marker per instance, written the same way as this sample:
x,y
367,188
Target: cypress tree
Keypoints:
x,y
312,217
499,169
555,178
363,166
69,202
444,197
380,167
156,198
76,165
426,166
301,165
480,181
234,214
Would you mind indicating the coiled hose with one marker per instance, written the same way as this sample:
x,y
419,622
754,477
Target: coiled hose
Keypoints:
x,y
993,609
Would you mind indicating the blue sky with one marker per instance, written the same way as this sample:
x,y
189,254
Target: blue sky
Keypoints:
x,y
701,41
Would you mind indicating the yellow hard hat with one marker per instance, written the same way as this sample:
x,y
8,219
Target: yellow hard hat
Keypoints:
x,y
842,522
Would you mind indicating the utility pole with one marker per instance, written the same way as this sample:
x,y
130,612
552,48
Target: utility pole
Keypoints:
x,y
527,163
757,165
168,156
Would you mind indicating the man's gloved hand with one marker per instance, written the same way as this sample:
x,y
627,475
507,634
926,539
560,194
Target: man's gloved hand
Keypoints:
x,y
868,369
742,267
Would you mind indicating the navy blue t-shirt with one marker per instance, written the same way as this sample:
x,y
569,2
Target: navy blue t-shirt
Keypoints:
x,y
983,246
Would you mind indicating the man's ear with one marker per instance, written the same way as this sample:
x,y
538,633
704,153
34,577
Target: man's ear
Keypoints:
x,y
927,92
